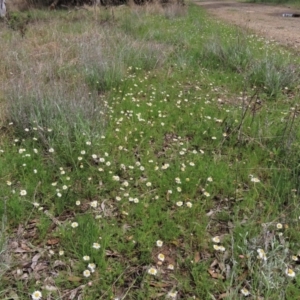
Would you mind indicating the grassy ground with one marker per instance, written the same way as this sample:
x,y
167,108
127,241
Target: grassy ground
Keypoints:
x,y
146,153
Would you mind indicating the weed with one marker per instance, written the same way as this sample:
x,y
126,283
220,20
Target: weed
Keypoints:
x,y
19,21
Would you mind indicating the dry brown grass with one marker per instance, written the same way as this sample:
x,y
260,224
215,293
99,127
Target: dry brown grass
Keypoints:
x,y
170,9
153,8
2,116
174,9
17,5
54,66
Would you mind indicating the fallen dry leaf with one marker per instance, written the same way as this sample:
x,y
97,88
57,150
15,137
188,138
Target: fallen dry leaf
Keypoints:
x,y
222,296
214,263
243,276
58,263
14,244
175,243
53,241
74,278
41,266
196,257
11,295
20,250
215,275
34,260
50,288
25,247
24,276
228,270
102,205
210,213
74,292
222,266
114,253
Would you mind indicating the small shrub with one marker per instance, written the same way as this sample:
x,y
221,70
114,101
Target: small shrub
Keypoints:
x,y
236,55
273,74
104,78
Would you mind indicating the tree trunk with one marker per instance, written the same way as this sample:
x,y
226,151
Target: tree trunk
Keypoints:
x,y
2,8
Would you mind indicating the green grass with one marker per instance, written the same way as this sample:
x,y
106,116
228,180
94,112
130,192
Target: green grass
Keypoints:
x,y
145,125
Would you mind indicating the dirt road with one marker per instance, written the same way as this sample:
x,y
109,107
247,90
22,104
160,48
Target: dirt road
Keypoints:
x,y
266,20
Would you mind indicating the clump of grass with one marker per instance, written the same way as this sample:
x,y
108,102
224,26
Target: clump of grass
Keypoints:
x,y
106,74
169,9
235,55
60,110
267,259
175,9
274,74
270,72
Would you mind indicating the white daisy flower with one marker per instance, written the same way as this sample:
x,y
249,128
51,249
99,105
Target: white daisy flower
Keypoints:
x,y
37,295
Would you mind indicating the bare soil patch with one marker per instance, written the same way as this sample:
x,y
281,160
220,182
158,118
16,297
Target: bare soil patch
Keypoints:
x,y
265,20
